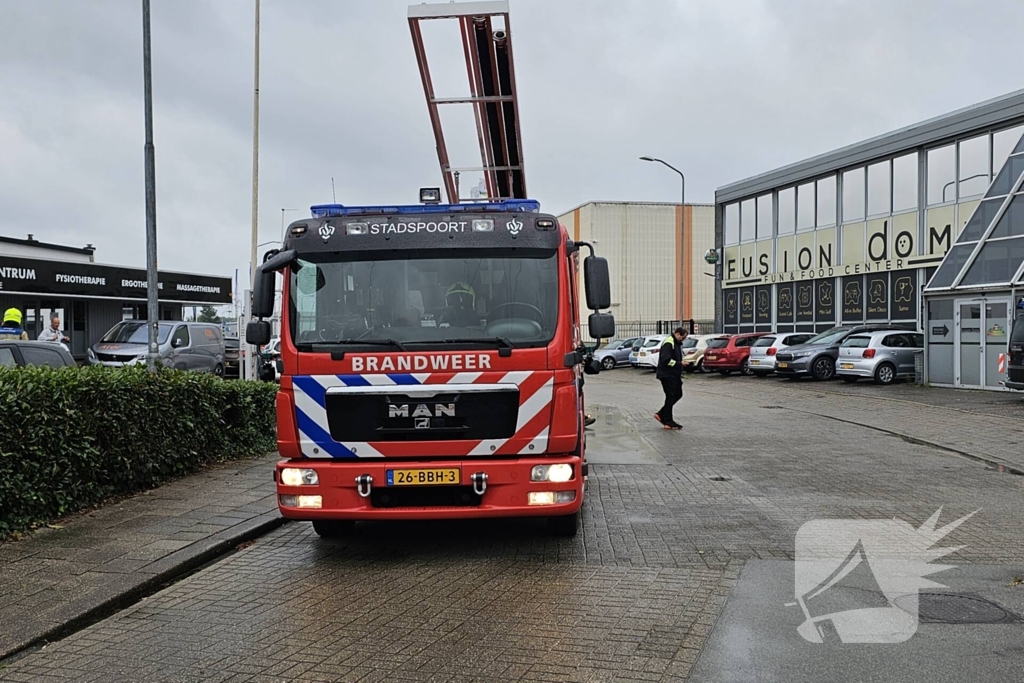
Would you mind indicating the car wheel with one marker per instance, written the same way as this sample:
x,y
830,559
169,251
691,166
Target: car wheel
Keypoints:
x,y
823,368
725,373
608,363
761,375
689,369
849,380
333,528
564,526
885,374
745,369
218,370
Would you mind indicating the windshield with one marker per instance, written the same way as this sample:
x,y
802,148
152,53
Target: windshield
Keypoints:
x,y
857,342
718,343
134,333
427,300
650,343
1017,336
688,343
829,336
764,341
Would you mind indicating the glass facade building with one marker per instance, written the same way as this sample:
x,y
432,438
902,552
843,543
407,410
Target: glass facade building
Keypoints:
x,y
923,227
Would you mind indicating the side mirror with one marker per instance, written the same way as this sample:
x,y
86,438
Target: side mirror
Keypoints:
x,y
263,295
597,283
267,373
601,325
279,364
592,366
257,333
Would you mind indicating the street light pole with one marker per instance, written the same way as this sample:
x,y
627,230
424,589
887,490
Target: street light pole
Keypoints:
x,y
255,152
682,219
282,224
152,301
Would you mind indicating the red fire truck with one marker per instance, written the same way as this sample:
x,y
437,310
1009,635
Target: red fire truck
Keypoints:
x,y
432,363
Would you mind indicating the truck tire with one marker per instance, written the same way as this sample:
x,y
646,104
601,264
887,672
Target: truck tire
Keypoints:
x,y
564,526
333,528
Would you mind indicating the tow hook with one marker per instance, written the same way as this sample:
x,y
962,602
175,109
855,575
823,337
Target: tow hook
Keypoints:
x,y
479,480
364,483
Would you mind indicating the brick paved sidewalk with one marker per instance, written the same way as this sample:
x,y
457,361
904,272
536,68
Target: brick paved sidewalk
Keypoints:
x,y
103,558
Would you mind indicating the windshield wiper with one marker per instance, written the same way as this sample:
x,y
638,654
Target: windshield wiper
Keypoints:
x,y
501,341
352,342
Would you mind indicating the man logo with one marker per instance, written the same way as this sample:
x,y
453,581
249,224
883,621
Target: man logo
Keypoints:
x,y
422,423
326,231
514,227
421,410
884,558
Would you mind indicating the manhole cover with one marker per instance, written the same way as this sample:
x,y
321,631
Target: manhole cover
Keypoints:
x,y
945,608
719,478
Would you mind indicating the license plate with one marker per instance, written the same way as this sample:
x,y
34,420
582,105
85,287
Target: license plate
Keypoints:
x,y
445,477
846,366
755,362
712,357
783,365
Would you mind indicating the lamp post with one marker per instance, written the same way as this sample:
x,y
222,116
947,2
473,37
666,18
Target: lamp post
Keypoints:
x,y
152,303
255,149
682,220
282,224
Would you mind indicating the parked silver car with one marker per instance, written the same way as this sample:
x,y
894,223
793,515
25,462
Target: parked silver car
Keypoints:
x,y
614,353
183,346
762,353
884,356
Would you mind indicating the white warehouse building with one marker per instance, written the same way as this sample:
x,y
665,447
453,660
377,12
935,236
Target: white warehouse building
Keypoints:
x,y
655,257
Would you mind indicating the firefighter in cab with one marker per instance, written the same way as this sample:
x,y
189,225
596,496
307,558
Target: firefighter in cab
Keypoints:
x,y
11,327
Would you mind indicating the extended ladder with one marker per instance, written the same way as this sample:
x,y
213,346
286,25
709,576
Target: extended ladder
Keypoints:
x,y
492,84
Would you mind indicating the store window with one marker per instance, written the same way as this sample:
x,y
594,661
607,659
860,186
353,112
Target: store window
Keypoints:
x,y
787,211
974,167
732,224
805,207
941,175
827,201
747,221
879,189
904,182
853,195
764,217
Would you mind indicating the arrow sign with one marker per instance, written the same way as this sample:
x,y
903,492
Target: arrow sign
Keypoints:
x,y
940,331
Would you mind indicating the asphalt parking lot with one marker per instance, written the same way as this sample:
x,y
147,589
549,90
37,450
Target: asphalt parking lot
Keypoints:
x,y
682,570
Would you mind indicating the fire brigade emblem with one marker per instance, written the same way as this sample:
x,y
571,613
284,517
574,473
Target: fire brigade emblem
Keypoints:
x,y
326,231
514,226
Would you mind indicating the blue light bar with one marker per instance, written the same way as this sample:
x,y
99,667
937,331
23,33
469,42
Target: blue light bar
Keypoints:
x,y
506,206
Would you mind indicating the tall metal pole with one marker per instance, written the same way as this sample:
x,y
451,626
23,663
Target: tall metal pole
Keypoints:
x,y
255,152
152,303
682,221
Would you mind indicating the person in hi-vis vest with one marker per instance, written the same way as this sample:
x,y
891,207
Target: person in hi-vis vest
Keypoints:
x,y
11,327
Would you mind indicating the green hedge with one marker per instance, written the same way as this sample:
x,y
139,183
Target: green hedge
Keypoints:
x,y
73,437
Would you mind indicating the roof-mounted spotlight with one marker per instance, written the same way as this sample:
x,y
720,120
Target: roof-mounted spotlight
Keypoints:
x,y
430,195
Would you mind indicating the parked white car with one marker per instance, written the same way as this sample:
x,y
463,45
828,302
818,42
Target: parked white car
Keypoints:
x,y
762,353
645,352
693,348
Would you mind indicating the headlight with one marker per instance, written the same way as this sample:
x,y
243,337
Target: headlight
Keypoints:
x,y
554,473
141,356
90,354
293,476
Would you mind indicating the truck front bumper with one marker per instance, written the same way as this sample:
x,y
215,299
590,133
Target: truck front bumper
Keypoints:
x,y
360,490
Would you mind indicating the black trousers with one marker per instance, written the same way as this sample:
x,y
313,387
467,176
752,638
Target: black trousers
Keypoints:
x,y
673,388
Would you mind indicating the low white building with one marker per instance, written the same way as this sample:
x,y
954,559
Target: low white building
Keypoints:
x,y
655,257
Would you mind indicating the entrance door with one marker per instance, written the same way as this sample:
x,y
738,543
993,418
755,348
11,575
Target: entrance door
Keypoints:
x,y
981,326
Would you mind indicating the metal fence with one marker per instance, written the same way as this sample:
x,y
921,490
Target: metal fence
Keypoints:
x,y
625,330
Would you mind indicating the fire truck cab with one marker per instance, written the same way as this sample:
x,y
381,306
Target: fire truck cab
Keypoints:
x,y
432,363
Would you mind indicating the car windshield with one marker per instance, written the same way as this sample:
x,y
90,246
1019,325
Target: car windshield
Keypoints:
x,y
764,341
134,333
829,336
1017,336
457,298
652,342
718,343
688,343
857,342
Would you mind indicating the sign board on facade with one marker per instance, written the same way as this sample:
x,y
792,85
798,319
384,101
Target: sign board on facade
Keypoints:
x,y
63,278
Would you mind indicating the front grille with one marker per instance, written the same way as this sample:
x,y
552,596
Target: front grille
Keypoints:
x,y
424,496
784,356
112,358
444,417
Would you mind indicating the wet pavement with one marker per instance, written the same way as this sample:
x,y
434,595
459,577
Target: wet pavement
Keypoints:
x,y
681,571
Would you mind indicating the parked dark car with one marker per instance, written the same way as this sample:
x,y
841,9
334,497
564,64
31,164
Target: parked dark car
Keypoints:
x,y
17,353
1015,364
817,358
232,358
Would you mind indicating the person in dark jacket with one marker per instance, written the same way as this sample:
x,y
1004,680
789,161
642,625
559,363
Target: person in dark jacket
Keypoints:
x,y
670,373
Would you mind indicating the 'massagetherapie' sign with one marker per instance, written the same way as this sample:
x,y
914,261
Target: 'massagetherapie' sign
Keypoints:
x,y
36,276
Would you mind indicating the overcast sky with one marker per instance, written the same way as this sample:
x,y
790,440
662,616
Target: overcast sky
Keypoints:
x,y
722,90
